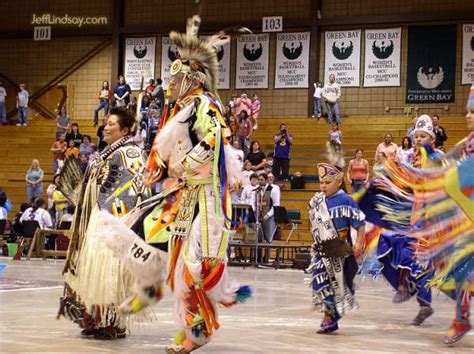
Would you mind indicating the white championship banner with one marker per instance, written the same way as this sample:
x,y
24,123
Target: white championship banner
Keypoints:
x,y
252,61
169,53
382,57
139,60
292,60
467,55
342,57
223,58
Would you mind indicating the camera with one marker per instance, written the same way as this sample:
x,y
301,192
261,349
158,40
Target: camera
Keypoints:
x,y
283,131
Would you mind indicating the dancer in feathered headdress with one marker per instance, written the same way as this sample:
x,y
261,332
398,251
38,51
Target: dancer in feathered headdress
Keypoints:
x,y
332,213
190,219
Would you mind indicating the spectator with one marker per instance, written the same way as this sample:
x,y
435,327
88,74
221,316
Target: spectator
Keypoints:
x,y
49,192
231,121
6,206
256,157
281,157
17,227
410,131
377,168
72,150
60,203
62,122
246,173
38,212
406,150
68,215
158,94
154,125
232,103
104,101
358,171
83,162
245,131
75,135
34,179
22,105
3,109
439,131
335,135
122,93
100,134
387,148
317,97
332,94
151,86
269,162
243,103
58,149
132,106
266,199
86,146
140,136
277,193
255,110
249,191
95,153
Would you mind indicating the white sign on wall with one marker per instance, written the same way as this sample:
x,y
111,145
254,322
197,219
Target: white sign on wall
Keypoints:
x,y
292,60
272,24
467,54
342,57
139,60
169,53
252,61
223,59
382,57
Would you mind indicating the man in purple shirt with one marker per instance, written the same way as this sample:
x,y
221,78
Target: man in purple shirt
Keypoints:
x,y
281,158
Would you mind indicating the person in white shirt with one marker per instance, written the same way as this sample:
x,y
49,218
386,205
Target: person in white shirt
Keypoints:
x,y
317,96
38,212
266,199
277,191
22,105
3,110
248,193
332,93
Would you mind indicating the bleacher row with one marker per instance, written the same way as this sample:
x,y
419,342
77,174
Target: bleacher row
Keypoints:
x,y
19,145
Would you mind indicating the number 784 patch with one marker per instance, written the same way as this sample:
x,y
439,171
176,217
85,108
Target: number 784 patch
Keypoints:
x,y
140,252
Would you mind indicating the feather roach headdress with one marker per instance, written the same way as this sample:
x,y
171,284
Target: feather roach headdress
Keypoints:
x,y
198,57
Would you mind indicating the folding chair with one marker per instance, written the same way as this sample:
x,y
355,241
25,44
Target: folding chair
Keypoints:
x,y
282,217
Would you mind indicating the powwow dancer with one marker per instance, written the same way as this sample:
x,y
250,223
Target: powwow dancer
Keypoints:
x,y
332,213
192,158
95,280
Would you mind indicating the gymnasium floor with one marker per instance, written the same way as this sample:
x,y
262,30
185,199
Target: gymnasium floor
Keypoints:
x,y
279,319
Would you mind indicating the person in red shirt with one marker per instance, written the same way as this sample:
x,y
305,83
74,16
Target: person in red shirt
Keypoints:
x,y
104,97
151,86
58,149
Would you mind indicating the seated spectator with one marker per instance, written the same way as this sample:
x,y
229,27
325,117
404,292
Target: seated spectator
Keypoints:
x,y
58,149
406,149
132,106
17,227
38,212
34,179
5,207
439,131
104,101
269,162
358,171
154,125
83,162
244,131
100,134
411,130
68,215
335,135
387,148
95,153
256,157
140,136
75,135
246,173
86,146
72,150
62,122
159,94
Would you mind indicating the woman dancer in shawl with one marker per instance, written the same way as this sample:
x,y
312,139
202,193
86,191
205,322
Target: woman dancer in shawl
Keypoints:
x,y
95,280
332,213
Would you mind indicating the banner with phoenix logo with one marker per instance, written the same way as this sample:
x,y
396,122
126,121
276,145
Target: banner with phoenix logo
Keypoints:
x,y
382,57
139,60
467,55
431,67
342,57
292,60
223,58
252,61
169,53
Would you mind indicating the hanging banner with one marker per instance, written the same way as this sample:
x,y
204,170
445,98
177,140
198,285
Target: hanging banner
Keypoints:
x,y
292,60
431,64
252,61
382,57
223,58
169,53
139,60
467,54
342,57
